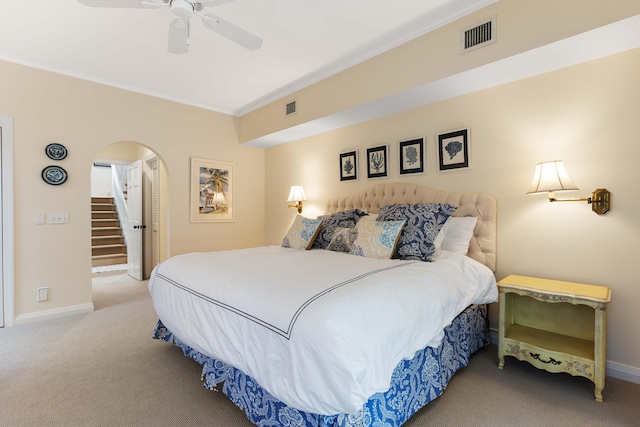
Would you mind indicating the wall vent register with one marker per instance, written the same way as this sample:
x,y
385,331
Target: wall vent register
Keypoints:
x,y
478,35
290,108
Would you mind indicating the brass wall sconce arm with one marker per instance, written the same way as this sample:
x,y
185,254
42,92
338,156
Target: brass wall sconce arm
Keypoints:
x,y
550,177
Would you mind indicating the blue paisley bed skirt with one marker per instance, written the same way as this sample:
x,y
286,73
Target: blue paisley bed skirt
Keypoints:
x,y
414,382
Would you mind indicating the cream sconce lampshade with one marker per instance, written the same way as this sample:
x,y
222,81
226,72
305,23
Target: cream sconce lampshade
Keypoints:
x,y
297,195
550,177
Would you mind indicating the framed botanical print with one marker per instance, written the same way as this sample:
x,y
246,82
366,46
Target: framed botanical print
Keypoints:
x,y
411,156
349,166
377,162
211,190
453,150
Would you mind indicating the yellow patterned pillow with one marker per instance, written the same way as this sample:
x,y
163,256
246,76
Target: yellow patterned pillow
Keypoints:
x,y
377,239
302,233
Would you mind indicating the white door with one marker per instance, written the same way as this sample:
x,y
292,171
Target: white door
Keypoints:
x,y
6,221
135,226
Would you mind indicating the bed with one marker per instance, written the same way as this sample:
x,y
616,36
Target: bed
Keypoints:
x,y
326,338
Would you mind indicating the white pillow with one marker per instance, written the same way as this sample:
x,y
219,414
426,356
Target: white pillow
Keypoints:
x,y
456,234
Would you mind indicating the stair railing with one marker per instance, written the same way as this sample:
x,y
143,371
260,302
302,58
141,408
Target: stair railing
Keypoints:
x,y
119,184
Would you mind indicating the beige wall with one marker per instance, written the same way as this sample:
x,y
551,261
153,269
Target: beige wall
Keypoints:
x,y
87,117
586,115
521,26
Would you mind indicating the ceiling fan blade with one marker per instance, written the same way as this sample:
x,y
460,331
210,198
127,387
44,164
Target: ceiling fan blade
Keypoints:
x,y
112,3
231,32
178,36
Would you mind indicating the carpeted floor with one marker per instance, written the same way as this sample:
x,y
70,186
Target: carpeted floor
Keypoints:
x,y
113,269
103,369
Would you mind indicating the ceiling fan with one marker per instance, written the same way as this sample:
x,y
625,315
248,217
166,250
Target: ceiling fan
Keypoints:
x,y
179,27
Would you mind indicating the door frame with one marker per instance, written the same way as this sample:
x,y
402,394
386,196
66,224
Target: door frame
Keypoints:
x,y
7,312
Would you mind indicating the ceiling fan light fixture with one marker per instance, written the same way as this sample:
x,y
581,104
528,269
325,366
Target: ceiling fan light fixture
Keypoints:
x,y
182,9
180,24
210,21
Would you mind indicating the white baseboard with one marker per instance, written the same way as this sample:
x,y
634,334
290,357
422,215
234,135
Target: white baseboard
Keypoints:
x,y
53,313
614,369
623,372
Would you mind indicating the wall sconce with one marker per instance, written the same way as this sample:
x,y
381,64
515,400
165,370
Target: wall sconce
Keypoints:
x,y
297,195
552,176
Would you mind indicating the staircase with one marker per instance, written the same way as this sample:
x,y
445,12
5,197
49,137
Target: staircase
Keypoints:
x,y
107,242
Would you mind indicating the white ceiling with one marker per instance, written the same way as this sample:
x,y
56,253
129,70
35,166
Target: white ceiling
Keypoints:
x,y
304,42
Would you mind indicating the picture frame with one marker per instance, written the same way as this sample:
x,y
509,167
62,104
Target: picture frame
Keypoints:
x,y
453,150
349,166
211,190
378,162
411,156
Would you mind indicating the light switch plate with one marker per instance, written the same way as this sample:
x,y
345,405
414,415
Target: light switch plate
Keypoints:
x,y
58,218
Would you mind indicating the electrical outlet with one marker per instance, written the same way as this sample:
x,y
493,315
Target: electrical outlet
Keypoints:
x,y
39,218
42,294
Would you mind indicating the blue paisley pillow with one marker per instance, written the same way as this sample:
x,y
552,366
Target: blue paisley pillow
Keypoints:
x,y
342,240
423,222
302,233
344,219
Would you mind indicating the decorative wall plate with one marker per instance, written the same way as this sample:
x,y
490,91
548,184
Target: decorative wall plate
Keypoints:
x,y
56,151
54,175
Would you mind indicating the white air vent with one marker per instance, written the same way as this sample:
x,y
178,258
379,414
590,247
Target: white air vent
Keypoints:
x,y
290,108
478,35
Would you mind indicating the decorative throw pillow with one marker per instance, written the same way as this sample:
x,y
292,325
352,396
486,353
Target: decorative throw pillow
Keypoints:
x,y
455,234
377,239
342,240
302,233
423,223
344,219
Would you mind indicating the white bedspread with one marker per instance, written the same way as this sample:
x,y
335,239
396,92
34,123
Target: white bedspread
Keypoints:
x,y
321,331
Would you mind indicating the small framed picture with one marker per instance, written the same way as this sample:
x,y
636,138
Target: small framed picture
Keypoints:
x,y
411,156
377,162
349,166
453,150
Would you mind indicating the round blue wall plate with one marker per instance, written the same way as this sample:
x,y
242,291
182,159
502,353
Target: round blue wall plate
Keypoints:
x,y
54,175
56,151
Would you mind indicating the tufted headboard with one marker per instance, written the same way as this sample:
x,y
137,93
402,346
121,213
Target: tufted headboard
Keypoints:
x,y
484,206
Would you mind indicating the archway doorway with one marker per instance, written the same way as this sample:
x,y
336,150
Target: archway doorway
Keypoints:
x,y
128,226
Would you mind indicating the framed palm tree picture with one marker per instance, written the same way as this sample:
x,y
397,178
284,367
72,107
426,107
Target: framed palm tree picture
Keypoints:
x,y
211,190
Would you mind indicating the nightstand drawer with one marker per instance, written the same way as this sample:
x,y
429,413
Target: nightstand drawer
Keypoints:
x,y
548,360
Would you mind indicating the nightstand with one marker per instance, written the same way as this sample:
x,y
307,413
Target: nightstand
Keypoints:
x,y
556,326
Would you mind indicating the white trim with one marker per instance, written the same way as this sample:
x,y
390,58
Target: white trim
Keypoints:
x,y
421,25
54,313
607,40
614,369
623,372
6,123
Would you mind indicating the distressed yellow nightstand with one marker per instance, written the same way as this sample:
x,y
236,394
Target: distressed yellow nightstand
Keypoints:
x,y
556,326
